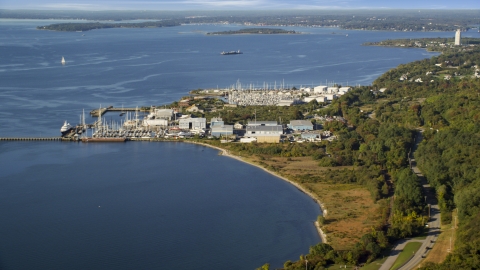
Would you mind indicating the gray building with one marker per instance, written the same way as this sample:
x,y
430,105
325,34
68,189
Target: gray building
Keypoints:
x,y
300,125
222,130
166,114
216,121
265,133
192,123
262,123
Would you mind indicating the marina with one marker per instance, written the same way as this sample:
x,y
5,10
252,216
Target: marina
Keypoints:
x,y
130,127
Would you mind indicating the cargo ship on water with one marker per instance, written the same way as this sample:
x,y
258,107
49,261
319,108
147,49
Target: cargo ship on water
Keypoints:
x,y
231,52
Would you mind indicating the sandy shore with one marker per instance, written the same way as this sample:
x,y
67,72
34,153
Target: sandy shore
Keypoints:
x,y
225,152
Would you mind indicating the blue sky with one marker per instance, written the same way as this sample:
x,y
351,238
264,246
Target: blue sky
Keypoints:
x,y
235,4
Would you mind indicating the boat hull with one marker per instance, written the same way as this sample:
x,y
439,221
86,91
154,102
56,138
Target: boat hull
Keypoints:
x,y
66,132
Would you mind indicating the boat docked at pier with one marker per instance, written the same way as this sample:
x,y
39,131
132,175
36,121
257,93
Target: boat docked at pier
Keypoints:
x,y
231,52
66,128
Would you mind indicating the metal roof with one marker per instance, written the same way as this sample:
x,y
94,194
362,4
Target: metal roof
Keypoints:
x,y
222,128
265,128
262,123
300,123
188,120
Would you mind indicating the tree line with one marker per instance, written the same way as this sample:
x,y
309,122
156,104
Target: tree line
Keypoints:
x,y
449,112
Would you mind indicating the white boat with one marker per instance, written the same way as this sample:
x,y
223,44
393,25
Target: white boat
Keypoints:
x,y
63,61
65,128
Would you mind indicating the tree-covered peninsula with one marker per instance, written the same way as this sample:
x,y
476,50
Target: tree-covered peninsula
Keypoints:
x,y
261,31
75,27
444,45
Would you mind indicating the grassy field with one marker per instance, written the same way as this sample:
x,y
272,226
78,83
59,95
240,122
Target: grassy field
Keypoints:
x,y
351,212
406,254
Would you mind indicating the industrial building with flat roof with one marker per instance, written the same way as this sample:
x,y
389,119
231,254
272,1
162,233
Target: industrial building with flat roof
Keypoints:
x,y
163,114
216,121
222,130
264,133
300,125
192,123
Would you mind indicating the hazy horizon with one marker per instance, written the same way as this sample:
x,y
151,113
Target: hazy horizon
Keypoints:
x,y
189,5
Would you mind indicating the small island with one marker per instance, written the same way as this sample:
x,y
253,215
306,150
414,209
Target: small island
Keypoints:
x,y
261,31
80,27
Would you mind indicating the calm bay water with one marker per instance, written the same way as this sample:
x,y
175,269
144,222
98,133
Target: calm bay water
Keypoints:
x,y
154,205
145,206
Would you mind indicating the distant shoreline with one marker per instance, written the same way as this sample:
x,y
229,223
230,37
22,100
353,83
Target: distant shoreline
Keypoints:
x,y
226,153
254,31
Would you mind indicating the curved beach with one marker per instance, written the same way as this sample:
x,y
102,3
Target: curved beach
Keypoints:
x,y
225,152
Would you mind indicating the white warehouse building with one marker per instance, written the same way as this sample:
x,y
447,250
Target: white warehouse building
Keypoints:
x,y
320,89
192,123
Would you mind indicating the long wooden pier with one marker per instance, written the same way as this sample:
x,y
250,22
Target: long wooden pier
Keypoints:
x,y
33,139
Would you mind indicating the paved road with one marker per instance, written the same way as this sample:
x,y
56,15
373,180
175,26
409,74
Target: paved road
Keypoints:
x,y
433,223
